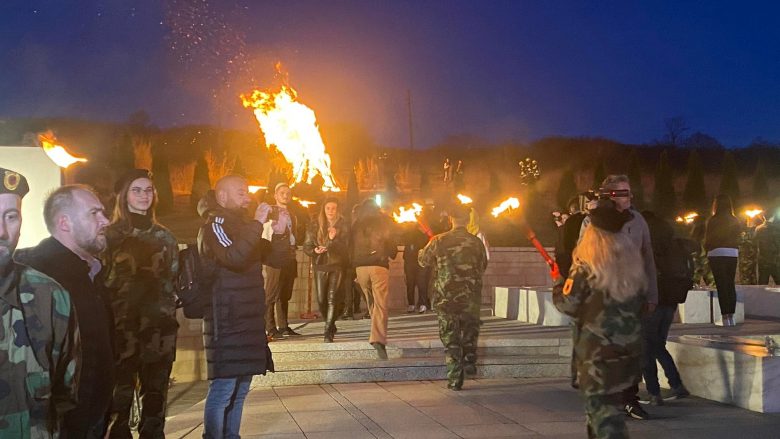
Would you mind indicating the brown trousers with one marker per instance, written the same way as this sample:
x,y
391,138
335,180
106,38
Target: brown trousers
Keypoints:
x,y
374,281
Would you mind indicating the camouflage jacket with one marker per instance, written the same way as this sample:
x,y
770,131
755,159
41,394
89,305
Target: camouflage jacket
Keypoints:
x,y
39,351
459,260
141,268
608,343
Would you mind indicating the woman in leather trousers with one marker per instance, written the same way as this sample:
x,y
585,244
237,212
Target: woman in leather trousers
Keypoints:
x,y
327,244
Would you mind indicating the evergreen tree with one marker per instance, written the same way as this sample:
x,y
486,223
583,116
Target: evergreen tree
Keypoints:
x,y
567,188
425,182
729,180
599,174
238,167
494,184
123,157
760,185
353,194
664,202
635,178
694,194
200,181
162,178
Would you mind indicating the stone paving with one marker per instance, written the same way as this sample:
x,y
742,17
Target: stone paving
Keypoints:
x,y
497,408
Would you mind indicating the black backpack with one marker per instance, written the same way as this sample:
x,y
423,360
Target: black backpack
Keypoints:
x,y
194,283
676,268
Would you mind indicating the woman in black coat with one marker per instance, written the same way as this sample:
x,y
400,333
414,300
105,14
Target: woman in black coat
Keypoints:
x,y
721,241
327,243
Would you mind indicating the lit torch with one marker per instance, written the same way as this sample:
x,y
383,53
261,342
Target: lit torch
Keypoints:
x,y
292,127
687,219
751,215
513,203
304,203
465,199
408,215
57,153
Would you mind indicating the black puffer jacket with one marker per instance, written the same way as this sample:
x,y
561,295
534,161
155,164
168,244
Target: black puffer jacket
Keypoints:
x,y
722,232
233,323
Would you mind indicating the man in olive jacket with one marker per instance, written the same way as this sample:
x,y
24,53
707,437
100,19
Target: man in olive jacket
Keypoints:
x,y
233,323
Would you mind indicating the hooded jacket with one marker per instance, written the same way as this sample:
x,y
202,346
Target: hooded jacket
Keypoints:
x,y
233,323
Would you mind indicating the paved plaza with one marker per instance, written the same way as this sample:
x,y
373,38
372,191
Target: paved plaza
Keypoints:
x,y
495,408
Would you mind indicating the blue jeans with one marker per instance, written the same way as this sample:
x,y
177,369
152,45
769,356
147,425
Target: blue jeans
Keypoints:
x,y
224,405
656,330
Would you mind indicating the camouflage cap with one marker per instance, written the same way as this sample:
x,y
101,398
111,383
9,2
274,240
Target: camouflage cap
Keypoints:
x,y
13,183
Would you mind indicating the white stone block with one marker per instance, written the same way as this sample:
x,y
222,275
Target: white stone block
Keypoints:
x,y
697,307
507,302
542,311
739,310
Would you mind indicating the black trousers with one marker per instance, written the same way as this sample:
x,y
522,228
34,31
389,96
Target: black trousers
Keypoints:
x,y
327,284
417,277
724,268
765,271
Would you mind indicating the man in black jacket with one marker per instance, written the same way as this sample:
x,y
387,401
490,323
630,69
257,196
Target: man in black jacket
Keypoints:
x,y
233,323
76,220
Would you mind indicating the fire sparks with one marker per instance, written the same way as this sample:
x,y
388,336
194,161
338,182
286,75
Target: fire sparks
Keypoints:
x,y
57,153
407,215
464,199
304,203
292,127
688,218
509,203
752,213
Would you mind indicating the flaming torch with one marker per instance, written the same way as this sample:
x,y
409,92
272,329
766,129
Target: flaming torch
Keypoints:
x,y
687,219
57,153
464,199
751,215
412,214
292,127
513,203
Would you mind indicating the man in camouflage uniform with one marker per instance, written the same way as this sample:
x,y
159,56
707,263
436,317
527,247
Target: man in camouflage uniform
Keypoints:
x,y
748,257
459,260
38,335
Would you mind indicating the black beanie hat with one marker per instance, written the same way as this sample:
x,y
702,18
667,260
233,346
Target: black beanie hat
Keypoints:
x,y
606,216
129,177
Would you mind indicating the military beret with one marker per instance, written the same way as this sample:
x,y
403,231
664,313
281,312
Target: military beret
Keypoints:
x,y
13,183
129,177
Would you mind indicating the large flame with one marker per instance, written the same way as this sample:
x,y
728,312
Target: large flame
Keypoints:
x,y
58,154
292,127
407,215
509,203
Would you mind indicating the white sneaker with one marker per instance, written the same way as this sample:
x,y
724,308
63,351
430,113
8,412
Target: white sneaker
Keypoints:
x,y
410,309
423,308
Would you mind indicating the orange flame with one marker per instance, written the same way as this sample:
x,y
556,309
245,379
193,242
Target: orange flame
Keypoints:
x,y
304,203
292,127
509,203
752,213
57,153
407,215
687,218
464,199
253,189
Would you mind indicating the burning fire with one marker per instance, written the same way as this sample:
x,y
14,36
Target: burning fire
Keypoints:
x,y
58,154
688,218
752,213
253,189
409,215
464,199
304,203
292,127
509,203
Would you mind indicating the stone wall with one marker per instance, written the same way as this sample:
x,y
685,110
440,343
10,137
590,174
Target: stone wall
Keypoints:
x,y
508,266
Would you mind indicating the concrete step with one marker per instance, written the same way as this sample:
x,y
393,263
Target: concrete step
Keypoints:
x,y
409,369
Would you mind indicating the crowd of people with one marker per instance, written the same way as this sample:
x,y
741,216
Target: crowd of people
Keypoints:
x,y
89,314
623,274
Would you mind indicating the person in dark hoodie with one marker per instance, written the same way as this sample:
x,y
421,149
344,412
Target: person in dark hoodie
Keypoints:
x,y
141,265
721,240
373,247
233,323
76,220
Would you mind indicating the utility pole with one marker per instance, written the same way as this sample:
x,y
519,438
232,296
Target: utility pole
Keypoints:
x,y
411,129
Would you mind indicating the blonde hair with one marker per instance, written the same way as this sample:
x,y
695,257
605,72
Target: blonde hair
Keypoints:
x,y
614,262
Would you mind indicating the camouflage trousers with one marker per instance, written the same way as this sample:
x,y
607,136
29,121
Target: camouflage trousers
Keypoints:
x,y
148,373
459,333
605,416
702,274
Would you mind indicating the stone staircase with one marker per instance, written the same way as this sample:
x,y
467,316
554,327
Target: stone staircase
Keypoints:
x,y
506,350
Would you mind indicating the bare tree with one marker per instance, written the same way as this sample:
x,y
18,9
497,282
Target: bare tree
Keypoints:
x,y
675,130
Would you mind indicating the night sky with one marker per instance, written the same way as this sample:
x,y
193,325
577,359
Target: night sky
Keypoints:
x,y
514,70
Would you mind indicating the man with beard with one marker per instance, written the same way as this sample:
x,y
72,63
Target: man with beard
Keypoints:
x,y
76,220
38,341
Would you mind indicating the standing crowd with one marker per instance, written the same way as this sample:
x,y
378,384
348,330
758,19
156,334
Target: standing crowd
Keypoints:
x,y
89,314
623,275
